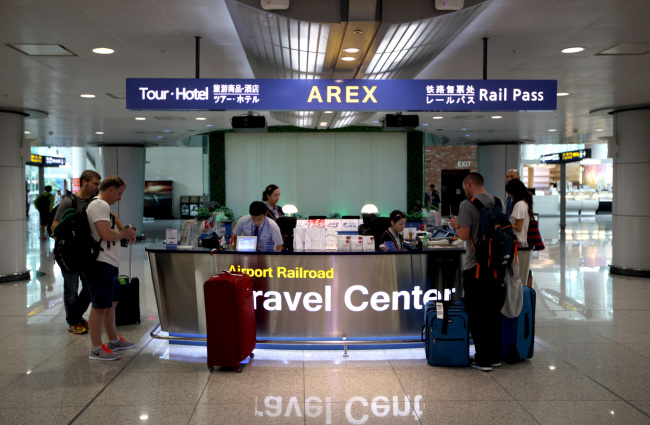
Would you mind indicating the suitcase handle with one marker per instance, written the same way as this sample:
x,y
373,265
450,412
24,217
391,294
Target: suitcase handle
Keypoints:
x,y
212,252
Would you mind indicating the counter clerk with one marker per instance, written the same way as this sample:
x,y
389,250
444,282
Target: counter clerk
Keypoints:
x,y
257,224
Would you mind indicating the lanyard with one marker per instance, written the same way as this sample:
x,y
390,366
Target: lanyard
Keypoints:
x,y
390,233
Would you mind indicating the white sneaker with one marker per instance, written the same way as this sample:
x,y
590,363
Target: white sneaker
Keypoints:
x,y
483,368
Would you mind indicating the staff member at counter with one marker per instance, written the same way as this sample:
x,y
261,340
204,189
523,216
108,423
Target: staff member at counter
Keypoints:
x,y
258,224
393,234
271,196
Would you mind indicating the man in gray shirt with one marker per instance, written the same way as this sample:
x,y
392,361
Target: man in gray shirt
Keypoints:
x,y
484,296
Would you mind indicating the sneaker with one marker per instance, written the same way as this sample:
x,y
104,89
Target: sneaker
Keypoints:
x,y
483,368
497,364
84,321
121,344
103,354
79,329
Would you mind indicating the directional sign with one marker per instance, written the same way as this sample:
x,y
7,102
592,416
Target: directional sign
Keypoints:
x,y
340,95
564,157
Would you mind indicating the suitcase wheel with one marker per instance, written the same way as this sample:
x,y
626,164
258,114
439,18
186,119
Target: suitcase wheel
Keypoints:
x,y
211,369
252,355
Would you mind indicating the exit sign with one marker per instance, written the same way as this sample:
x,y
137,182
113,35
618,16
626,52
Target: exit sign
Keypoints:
x,y
464,164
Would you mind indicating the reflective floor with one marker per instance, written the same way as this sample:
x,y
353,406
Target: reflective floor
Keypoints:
x,y
591,362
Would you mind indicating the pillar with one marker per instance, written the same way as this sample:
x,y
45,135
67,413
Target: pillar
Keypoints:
x,y
13,261
128,163
631,206
494,160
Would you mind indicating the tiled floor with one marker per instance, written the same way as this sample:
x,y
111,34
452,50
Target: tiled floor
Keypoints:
x,y
591,363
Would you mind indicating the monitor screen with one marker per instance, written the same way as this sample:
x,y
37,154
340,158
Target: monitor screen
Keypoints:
x,y
247,243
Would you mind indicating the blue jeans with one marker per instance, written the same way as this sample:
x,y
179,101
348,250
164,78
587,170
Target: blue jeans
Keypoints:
x,y
76,303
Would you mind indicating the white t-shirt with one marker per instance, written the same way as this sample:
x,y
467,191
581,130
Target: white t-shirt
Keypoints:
x,y
520,211
99,210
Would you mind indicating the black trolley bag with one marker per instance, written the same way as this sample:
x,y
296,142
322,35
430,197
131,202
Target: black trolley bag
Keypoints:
x,y
127,311
229,318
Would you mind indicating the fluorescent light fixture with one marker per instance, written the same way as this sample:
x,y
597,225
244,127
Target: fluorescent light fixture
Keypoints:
x,y
425,125
201,118
140,118
348,58
29,132
289,209
573,49
99,132
375,121
327,112
351,50
437,118
369,209
323,124
208,125
103,50
599,129
562,94
87,96
496,117
463,129
552,129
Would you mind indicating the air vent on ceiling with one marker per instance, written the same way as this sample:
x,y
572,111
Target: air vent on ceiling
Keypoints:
x,y
170,118
41,49
627,49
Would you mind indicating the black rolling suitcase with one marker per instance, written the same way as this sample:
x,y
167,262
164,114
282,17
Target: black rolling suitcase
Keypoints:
x,y
127,311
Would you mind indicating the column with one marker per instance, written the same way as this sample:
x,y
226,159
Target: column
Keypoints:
x,y
631,206
128,163
13,227
494,160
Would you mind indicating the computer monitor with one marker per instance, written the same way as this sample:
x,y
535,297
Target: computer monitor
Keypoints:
x,y
247,243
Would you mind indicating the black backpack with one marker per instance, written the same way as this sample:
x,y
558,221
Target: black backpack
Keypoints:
x,y
75,247
50,219
496,244
43,202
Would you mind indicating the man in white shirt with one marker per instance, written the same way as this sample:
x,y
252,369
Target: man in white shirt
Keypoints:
x,y
257,224
102,275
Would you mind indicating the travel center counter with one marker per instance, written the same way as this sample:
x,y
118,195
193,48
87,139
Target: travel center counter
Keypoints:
x,y
311,296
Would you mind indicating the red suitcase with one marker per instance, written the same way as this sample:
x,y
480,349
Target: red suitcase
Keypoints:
x,y
229,319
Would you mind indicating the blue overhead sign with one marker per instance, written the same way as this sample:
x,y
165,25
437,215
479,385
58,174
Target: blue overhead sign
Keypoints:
x,y
206,94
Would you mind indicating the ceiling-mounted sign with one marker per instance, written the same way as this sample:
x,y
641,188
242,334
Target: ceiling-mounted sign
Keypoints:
x,y
202,94
564,157
46,160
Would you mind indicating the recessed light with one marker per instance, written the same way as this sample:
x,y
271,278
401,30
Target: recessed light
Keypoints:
x,y
103,51
425,124
87,96
573,49
348,58
468,135
563,93
167,131
438,118
497,117
99,132
327,112
208,125
159,137
351,50
552,129
323,124
201,118
599,129
29,132
375,122
463,129
140,118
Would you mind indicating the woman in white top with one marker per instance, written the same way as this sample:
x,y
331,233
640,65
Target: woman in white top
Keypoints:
x,y
522,209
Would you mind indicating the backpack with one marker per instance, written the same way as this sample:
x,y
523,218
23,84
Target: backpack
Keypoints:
x,y
43,202
50,219
75,247
496,244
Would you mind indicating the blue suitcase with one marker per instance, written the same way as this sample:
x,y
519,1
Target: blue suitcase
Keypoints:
x,y
518,333
446,341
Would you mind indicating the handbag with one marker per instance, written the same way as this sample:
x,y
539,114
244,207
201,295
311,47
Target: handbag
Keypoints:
x,y
535,240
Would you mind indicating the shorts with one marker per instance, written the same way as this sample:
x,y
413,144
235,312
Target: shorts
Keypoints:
x,y
103,284
44,217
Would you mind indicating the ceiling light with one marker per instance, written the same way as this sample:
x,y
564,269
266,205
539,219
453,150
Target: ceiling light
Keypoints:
x,y
140,118
323,124
99,132
87,96
375,121
552,129
103,51
467,135
327,112
463,129
598,129
438,118
348,58
351,50
208,125
573,49
29,132
425,124
497,117
563,94
201,118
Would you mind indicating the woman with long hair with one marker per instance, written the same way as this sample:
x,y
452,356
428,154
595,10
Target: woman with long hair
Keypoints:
x,y
522,209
